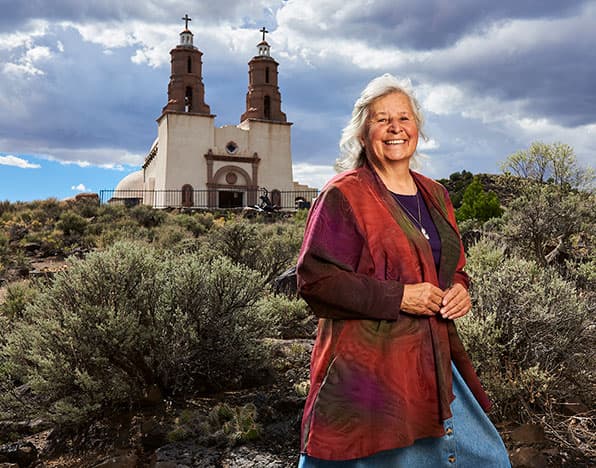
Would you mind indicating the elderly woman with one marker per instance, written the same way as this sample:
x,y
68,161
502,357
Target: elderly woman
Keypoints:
x,y
382,267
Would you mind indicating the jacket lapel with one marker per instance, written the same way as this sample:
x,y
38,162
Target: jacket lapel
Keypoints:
x,y
419,246
434,198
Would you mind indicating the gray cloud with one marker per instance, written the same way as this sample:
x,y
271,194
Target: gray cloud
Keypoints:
x,y
16,14
549,65
540,59
493,76
78,103
420,25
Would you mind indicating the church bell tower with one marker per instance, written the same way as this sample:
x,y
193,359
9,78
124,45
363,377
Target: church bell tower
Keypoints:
x,y
263,99
186,92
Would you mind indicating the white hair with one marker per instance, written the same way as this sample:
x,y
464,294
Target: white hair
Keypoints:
x,y
352,152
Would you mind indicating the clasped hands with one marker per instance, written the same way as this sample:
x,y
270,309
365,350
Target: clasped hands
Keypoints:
x,y
427,299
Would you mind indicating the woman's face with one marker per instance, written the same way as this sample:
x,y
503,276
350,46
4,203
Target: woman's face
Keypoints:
x,y
392,132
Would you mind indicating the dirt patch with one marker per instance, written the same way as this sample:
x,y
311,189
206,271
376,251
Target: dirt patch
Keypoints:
x,y
49,264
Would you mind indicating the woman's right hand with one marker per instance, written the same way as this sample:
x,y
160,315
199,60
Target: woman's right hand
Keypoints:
x,y
421,299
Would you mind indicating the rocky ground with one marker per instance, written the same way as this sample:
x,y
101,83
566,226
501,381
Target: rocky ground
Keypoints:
x,y
155,436
139,439
145,437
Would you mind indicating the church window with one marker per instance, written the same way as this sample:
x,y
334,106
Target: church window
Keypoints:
x,y
188,100
187,195
267,75
231,147
267,107
189,65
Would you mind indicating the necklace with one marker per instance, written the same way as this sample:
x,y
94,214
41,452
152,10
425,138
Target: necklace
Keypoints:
x,y
416,220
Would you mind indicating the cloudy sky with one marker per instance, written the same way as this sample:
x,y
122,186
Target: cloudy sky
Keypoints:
x,y
82,82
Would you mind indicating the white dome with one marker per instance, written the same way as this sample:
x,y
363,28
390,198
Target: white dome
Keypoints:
x,y
133,181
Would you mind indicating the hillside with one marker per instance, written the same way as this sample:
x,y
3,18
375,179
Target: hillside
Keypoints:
x,y
105,360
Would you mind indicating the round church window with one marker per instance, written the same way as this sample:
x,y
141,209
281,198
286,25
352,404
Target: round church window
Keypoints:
x,y
231,178
231,147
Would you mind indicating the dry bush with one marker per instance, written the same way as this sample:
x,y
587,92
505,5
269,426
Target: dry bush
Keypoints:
x,y
131,319
529,334
291,317
267,248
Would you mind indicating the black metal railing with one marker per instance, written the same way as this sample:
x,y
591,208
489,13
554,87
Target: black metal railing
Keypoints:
x,y
210,199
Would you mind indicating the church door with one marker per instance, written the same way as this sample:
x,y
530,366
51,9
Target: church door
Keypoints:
x,y
228,199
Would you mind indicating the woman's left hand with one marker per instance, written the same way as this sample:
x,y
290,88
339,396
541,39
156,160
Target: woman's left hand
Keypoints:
x,y
456,302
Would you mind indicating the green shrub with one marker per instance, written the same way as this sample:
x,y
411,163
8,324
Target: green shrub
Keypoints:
x,y
72,224
236,423
147,216
478,204
18,296
86,207
46,211
188,245
128,319
468,226
269,249
19,261
237,240
197,224
4,247
51,241
16,230
206,219
84,341
554,163
528,334
217,330
6,207
106,234
583,274
111,213
456,185
169,235
300,217
225,424
493,225
281,244
291,318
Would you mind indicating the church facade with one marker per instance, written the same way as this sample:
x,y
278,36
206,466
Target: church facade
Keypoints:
x,y
193,163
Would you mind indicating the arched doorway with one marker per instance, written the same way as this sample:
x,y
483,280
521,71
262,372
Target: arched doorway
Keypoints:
x,y
187,195
276,197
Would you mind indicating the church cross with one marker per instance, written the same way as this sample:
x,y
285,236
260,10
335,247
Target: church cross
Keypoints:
x,y
264,31
186,19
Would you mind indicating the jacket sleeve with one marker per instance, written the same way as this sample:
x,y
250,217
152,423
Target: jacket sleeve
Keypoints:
x,y
328,263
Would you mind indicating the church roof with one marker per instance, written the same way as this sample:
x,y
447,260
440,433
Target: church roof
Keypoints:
x,y
133,181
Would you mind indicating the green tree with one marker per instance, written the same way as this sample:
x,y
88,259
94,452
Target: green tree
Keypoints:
x,y
555,163
542,222
456,185
478,204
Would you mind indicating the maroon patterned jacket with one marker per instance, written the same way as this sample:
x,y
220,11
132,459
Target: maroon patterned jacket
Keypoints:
x,y
380,378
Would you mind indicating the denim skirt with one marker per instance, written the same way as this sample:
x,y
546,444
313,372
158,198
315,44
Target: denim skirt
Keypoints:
x,y
471,441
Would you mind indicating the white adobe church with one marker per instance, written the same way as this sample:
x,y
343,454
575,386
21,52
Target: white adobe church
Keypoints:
x,y
194,164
